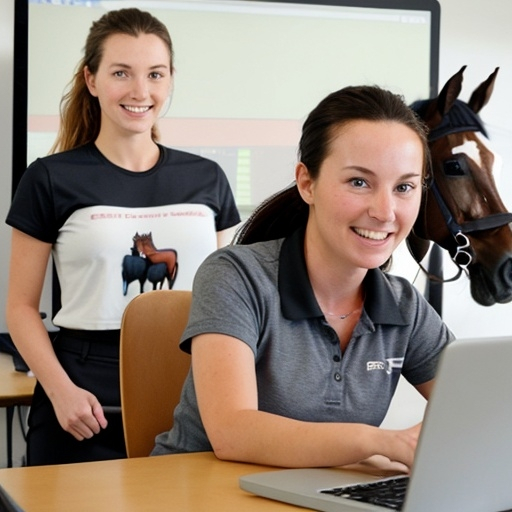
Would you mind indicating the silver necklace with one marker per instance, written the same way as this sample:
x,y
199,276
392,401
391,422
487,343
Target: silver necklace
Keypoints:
x,y
346,315
341,317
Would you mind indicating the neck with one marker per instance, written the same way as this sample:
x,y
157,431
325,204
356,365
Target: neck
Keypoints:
x,y
338,288
342,309
135,154
332,279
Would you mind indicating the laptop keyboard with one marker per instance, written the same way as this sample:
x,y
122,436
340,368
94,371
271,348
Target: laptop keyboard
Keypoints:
x,y
388,493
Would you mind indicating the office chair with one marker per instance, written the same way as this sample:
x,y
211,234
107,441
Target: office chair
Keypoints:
x,y
152,366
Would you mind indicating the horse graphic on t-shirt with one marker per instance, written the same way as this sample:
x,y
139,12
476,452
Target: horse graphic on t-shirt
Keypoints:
x,y
147,263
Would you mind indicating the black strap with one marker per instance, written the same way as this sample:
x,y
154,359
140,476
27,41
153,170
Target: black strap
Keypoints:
x,y
495,220
492,221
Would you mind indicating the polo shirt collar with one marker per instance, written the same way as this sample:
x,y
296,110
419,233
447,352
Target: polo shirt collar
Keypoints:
x,y
298,301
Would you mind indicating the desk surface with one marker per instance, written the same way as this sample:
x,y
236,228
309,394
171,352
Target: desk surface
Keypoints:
x,y
16,388
189,483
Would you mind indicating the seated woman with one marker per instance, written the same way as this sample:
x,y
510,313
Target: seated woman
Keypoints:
x,y
298,336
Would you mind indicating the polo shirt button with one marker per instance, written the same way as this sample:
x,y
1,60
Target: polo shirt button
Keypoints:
x,y
336,358
337,377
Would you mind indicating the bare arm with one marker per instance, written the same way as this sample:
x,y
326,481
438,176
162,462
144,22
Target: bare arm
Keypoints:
x,y
225,236
225,383
77,410
425,389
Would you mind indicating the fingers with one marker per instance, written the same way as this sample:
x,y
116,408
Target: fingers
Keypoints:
x,y
88,422
400,445
99,414
410,438
86,427
414,433
382,463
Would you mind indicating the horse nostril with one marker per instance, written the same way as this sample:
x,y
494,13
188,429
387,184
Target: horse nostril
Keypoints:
x,y
505,272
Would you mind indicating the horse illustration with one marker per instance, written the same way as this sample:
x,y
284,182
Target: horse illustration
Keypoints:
x,y
146,263
157,273
461,210
169,257
134,268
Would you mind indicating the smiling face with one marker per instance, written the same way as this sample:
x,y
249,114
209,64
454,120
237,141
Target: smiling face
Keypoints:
x,y
367,195
132,83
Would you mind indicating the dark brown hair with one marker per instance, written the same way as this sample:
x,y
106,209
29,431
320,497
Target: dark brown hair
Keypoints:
x,y
283,213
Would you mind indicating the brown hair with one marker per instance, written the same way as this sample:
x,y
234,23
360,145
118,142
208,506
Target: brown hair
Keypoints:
x,y
285,212
80,114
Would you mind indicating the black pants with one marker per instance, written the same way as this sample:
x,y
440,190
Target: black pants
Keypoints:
x,y
91,359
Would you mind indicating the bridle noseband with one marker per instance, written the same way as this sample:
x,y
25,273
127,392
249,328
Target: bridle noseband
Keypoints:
x,y
459,119
463,254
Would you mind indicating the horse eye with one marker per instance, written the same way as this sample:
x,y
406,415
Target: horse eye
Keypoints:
x,y
453,168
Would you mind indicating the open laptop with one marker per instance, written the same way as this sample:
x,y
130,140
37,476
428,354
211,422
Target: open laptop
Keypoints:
x,y
7,503
463,460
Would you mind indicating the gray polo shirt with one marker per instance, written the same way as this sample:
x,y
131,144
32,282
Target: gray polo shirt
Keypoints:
x,y
261,294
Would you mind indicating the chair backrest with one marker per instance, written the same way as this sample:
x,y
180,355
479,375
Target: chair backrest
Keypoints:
x,y
152,366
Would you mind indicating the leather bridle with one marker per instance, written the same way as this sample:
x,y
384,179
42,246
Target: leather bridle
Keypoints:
x,y
463,253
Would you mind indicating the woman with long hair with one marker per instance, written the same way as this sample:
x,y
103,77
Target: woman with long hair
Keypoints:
x,y
108,185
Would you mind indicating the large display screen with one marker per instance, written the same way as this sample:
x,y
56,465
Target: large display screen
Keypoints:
x,y
247,72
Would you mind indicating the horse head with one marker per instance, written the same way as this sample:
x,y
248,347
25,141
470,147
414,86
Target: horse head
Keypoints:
x,y
143,243
462,210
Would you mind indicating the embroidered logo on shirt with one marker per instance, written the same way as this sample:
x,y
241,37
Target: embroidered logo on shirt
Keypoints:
x,y
388,365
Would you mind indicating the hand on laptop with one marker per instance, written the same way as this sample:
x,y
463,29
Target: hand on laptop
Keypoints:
x,y
379,465
401,446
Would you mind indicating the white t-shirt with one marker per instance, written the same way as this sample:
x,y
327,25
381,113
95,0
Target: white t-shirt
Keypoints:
x,y
93,212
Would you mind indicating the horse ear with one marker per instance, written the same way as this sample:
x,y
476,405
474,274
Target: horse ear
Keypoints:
x,y
418,247
482,93
450,92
